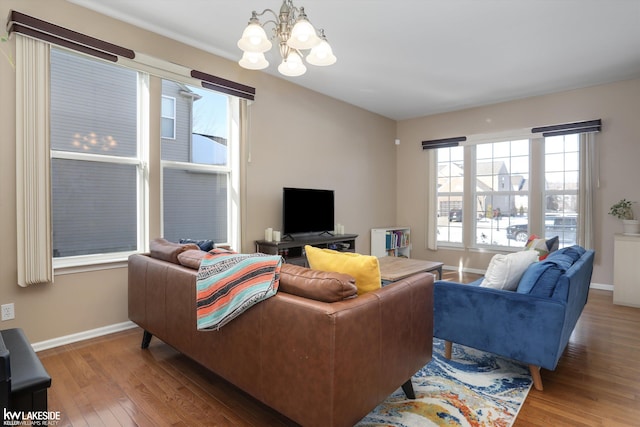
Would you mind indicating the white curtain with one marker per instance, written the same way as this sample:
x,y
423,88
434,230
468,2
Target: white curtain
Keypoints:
x,y
432,200
33,182
245,159
589,181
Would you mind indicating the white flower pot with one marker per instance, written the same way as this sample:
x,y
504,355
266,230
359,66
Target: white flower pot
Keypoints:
x,y
631,226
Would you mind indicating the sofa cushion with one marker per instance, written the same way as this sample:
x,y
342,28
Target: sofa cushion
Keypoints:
x,y
327,286
191,258
168,251
505,271
364,268
205,245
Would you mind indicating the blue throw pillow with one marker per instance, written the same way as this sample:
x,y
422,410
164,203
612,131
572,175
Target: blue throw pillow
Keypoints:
x,y
553,244
204,245
541,278
562,260
575,252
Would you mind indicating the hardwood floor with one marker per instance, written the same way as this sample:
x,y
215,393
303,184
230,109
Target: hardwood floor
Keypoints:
x,y
110,381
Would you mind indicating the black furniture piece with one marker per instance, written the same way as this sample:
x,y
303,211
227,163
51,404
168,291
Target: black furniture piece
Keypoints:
x,y
292,249
23,379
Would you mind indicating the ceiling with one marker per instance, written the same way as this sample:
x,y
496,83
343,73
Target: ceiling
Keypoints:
x,y
412,58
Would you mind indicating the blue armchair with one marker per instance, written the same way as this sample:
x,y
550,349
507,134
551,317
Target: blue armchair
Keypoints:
x,y
531,325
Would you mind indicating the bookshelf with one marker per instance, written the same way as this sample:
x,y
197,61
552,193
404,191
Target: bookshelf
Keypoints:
x,y
391,241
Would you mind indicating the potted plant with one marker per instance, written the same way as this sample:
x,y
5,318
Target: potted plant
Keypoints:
x,y
622,210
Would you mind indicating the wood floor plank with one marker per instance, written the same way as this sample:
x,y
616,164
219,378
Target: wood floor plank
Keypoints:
x,y
110,380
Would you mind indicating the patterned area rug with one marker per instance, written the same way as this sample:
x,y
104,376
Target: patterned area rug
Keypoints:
x,y
474,388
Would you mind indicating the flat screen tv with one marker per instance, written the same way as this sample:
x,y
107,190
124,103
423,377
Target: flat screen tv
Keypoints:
x,y
306,210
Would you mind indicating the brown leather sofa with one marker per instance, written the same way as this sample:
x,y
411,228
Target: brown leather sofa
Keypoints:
x,y
318,363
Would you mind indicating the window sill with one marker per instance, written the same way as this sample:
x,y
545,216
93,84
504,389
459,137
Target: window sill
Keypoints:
x,y
83,264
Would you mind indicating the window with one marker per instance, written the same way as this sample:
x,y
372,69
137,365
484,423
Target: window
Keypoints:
x,y
96,166
98,176
450,194
83,153
562,171
168,119
501,191
520,187
196,166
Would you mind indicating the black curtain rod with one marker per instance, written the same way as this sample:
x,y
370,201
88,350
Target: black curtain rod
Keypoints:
x,y
569,128
442,143
223,85
37,28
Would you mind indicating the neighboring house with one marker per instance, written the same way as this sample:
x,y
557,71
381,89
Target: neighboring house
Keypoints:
x,y
495,176
451,180
184,187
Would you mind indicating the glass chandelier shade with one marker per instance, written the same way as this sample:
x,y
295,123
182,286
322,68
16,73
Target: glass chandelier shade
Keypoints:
x,y
254,61
322,54
295,34
292,65
254,39
303,35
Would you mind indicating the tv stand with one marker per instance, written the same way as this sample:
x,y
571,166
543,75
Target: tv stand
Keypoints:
x,y
293,250
292,237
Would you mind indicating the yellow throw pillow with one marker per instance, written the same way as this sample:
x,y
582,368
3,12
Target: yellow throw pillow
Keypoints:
x,y
364,268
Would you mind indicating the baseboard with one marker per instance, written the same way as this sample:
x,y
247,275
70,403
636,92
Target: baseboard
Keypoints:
x,y
601,286
81,336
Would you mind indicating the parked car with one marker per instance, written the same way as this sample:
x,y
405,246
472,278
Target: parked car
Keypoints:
x,y
455,215
518,232
565,227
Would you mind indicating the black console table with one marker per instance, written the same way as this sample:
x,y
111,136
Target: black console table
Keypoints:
x,y
292,250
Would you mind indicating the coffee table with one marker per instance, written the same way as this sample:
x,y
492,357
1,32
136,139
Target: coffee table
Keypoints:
x,y
393,269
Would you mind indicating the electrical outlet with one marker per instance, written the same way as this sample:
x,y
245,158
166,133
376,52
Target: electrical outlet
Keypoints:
x,y
8,311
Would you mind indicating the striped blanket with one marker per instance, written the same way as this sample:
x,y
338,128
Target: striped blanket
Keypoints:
x,y
229,283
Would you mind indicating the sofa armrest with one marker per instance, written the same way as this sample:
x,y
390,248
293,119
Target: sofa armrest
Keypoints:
x,y
518,326
5,374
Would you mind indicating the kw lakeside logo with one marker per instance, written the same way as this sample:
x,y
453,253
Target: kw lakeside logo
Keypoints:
x,y
30,418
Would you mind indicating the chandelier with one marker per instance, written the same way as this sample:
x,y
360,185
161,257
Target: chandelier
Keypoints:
x,y
294,33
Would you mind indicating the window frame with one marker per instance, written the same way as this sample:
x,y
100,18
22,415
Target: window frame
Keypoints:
x,y
510,193
230,169
450,194
172,117
83,263
537,191
62,265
